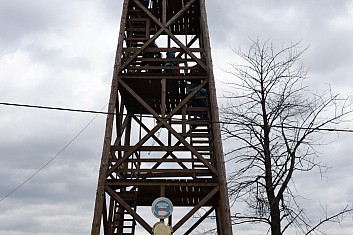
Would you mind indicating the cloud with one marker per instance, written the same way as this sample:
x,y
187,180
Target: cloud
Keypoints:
x,y
61,53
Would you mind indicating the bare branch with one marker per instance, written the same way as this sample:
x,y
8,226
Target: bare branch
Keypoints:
x,y
274,124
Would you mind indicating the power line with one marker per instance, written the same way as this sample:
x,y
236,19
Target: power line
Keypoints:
x,y
53,108
179,119
101,112
53,158
291,127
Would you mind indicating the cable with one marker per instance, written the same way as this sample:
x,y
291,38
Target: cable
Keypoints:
x,y
177,119
291,127
54,108
101,112
53,158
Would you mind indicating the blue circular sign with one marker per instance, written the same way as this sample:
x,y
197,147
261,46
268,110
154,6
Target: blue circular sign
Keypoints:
x,y
162,208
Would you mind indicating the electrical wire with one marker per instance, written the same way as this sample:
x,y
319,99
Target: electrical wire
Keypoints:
x,y
89,123
58,154
54,108
178,119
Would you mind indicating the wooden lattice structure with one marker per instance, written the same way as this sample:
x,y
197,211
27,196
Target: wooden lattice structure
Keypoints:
x,y
158,141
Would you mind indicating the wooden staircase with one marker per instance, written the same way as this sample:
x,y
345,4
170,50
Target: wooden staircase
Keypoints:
x,y
123,223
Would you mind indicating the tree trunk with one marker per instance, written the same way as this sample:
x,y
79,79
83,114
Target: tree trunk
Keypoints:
x,y
275,219
271,197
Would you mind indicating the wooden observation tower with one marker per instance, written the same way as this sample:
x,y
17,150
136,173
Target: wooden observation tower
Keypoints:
x,y
162,136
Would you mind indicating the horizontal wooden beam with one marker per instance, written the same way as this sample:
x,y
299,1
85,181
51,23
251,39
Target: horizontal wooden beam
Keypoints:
x,y
149,76
170,175
161,49
159,148
146,183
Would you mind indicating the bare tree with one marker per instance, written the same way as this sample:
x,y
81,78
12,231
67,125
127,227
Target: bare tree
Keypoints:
x,y
274,124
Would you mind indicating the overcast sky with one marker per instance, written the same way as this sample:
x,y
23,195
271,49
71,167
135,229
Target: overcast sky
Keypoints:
x,y
61,52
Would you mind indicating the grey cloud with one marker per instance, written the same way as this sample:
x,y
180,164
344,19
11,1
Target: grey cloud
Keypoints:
x,y
21,18
60,199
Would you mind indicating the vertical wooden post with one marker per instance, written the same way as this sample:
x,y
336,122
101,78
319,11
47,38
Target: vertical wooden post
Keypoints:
x,y
224,208
164,12
163,101
98,209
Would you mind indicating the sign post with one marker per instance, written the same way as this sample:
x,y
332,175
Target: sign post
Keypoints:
x,y
162,208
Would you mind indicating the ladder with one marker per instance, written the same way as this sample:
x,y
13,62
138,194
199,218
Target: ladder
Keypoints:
x,y
123,223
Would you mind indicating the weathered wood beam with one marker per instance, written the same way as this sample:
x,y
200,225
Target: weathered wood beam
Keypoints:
x,y
136,216
144,183
223,210
193,210
164,27
99,203
159,148
199,221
